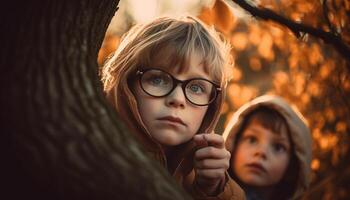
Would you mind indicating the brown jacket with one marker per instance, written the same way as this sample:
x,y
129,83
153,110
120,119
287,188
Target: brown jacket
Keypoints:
x,y
300,134
181,164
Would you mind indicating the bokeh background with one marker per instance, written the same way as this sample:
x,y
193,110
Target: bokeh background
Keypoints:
x,y
270,59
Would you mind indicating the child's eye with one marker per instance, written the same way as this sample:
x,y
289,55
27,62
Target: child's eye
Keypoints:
x,y
250,139
279,148
157,81
196,88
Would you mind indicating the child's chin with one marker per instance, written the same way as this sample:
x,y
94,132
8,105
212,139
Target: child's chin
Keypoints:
x,y
169,139
254,182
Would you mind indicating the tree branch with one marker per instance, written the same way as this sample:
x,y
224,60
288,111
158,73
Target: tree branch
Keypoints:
x,y
298,28
325,14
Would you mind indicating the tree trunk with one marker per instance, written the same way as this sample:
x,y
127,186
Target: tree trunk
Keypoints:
x,y
60,138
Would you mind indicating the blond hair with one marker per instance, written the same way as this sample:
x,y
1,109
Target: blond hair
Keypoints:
x,y
182,36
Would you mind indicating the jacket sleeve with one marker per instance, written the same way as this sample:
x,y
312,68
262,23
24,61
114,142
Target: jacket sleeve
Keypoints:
x,y
232,191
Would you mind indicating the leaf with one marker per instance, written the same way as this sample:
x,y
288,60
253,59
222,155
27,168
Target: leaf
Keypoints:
x,y
236,74
315,164
315,55
255,64
240,94
239,41
299,81
265,47
313,89
341,127
330,115
280,79
255,34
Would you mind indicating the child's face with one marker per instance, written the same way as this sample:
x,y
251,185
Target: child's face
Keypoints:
x,y
262,156
172,119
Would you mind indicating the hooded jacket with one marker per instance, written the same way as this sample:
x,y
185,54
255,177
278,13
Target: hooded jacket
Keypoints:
x,y
299,132
181,164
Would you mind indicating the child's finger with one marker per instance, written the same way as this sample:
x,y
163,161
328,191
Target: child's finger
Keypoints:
x,y
200,141
211,152
215,140
212,164
210,174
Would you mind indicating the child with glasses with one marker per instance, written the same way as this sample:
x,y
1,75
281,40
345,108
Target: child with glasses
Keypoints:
x,y
167,80
270,145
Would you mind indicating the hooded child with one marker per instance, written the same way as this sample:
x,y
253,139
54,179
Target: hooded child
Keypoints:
x,y
270,145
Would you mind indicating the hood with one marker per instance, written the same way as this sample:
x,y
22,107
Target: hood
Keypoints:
x,y
300,133
124,101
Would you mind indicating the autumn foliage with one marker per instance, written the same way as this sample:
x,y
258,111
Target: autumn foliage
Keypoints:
x,y
304,69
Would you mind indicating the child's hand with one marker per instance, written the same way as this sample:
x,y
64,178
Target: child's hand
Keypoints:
x,y
211,160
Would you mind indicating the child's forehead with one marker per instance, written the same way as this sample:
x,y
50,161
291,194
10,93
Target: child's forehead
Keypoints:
x,y
256,126
169,60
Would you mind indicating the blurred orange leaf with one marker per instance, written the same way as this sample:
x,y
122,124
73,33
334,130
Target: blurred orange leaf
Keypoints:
x,y
280,78
328,141
265,47
341,127
239,94
315,164
313,88
239,41
299,81
330,115
236,74
315,55
255,34
255,63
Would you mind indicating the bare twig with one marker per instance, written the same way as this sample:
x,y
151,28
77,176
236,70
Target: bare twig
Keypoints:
x,y
298,28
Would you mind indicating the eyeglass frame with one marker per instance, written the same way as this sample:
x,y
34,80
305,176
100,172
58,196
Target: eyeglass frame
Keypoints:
x,y
176,82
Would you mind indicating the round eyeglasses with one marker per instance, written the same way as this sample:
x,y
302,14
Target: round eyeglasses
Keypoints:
x,y
158,83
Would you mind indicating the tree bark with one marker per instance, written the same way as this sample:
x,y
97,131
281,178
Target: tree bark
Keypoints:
x,y
61,139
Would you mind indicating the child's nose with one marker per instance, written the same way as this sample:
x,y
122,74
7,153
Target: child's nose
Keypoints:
x,y
176,98
261,150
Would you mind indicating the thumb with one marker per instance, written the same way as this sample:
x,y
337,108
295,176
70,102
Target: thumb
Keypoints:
x,y
200,141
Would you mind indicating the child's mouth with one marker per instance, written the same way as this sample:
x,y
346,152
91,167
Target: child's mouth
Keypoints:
x,y
256,167
172,120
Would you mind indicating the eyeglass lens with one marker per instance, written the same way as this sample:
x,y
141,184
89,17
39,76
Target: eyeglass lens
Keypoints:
x,y
158,83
